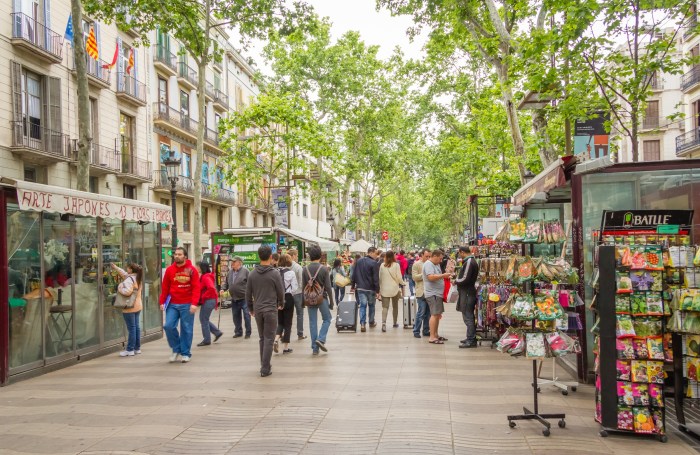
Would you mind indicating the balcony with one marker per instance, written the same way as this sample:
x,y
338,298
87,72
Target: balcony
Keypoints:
x,y
185,186
209,91
98,71
187,76
688,143
220,100
244,201
655,83
36,38
103,160
690,79
164,60
211,137
39,145
650,123
131,90
168,118
134,169
691,28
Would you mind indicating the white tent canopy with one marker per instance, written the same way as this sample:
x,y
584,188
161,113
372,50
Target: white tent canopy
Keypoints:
x,y
360,246
325,245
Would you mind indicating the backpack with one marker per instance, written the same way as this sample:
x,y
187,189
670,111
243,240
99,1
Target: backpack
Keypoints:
x,y
313,291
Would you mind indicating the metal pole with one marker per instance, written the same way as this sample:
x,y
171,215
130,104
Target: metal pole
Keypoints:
x,y
173,204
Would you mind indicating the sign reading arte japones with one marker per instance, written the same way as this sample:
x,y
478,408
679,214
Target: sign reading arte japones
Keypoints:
x,y
644,219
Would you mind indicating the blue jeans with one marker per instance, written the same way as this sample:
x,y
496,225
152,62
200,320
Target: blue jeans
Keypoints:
x,y
180,343
299,308
339,293
411,284
325,310
422,317
134,330
238,307
208,327
365,299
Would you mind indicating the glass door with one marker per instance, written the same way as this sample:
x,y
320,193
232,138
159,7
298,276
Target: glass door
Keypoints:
x,y
87,283
113,327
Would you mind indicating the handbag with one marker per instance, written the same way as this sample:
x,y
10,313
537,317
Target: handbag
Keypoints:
x,y
125,302
341,281
453,295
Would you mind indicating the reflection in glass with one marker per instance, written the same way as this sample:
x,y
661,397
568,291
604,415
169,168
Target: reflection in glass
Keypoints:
x,y
24,273
58,283
111,252
152,316
87,303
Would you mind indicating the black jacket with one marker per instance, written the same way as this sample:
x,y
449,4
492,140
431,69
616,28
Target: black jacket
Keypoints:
x,y
468,274
365,274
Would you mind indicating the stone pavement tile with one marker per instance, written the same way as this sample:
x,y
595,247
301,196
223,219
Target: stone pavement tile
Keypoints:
x,y
44,444
372,413
191,448
482,443
356,448
564,443
165,431
408,445
57,431
268,446
126,444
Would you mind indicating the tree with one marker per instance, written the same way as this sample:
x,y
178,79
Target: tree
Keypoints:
x,y
84,129
193,23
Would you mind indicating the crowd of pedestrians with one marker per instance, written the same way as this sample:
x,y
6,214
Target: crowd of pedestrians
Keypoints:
x,y
278,287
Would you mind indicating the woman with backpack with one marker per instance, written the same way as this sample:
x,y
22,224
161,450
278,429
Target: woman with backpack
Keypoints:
x,y
390,286
285,314
208,301
337,270
131,282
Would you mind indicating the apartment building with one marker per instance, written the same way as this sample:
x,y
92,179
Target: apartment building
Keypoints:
x,y
688,142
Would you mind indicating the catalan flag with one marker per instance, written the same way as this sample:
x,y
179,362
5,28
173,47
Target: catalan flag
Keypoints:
x,y
91,45
130,63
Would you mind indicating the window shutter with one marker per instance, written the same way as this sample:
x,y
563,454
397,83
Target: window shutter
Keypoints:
x,y
120,64
17,108
47,17
54,100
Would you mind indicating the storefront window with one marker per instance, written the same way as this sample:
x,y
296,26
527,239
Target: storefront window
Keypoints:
x,y
111,252
152,316
24,262
87,302
58,284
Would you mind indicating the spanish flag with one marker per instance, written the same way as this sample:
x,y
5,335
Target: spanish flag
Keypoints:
x,y
130,63
91,45
114,59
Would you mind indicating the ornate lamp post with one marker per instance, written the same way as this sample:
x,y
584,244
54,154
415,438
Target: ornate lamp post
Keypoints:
x,y
172,166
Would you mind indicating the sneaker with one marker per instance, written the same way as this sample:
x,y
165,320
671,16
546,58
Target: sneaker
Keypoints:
x,y
372,324
276,347
174,356
302,337
138,351
264,375
363,329
185,358
417,335
288,351
126,353
203,343
216,338
467,345
383,327
236,336
321,345
314,353
246,337
396,326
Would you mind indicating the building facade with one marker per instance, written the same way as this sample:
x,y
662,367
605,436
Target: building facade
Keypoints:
x,y
688,142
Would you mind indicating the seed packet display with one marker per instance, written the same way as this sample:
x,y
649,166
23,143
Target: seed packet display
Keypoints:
x,y
624,283
624,370
624,393
639,371
625,349
639,260
640,394
692,345
656,397
654,303
532,231
517,230
623,256
535,347
657,281
643,422
655,372
625,326
547,306
655,347
622,304
641,280
523,308
638,303
641,351
647,327
625,418
657,416
653,258
691,323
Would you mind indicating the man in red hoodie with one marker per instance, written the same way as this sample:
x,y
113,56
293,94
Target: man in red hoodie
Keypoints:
x,y
403,263
181,284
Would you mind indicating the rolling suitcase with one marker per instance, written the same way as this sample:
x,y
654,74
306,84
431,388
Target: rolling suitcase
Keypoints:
x,y
347,316
409,312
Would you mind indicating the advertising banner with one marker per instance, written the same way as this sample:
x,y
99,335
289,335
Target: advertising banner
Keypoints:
x,y
281,207
591,138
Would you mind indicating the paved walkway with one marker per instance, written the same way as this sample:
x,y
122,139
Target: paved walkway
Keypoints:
x,y
386,393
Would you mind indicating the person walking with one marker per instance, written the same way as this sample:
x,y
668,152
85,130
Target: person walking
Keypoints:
x,y
265,292
285,315
434,285
390,286
317,273
466,285
181,293
298,300
235,284
423,311
208,303
132,278
409,273
365,281
338,269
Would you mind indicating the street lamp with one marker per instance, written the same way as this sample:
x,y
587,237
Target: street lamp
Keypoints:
x,y
172,167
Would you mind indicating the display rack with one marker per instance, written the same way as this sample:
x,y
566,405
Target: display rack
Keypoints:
x,y
564,386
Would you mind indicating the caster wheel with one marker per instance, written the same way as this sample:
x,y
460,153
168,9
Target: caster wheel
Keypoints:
x,y
573,389
663,438
603,434
545,432
511,424
565,392
562,423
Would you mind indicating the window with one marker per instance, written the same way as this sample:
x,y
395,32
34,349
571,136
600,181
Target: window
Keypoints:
x,y
36,106
217,81
220,176
217,121
255,220
205,172
651,115
187,247
186,164
184,103
241,217
93,184
297,208
165,201
696,114
162,91
305,210
264,220
219,220
652,150
185,217
126,128
129,192
94,119
205,220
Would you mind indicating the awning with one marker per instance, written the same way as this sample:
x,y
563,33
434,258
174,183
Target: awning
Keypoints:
x,y
325,245
55,199
550,178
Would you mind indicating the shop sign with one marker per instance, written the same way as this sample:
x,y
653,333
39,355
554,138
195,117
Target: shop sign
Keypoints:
x,y
230,239
542,184
44,198
645,219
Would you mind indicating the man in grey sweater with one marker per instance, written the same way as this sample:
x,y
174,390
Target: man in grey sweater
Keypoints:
x,y
323,277
235,284
265,292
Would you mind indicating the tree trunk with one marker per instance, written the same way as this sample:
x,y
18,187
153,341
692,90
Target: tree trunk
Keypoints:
x,y
84,130
546,150
512,114
634,136
201,112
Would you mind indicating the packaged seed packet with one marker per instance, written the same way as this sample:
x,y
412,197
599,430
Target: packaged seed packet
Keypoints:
x,y
639,371
658,418
642,420
535,347
655,346
625,327
547,306
654,261
641,352
655,303
639,260
622,304
624,370
523,308
641,280
624,393
657,282
656,397
625,418
624,283
655,372
640,394
625,349
638,301
647,327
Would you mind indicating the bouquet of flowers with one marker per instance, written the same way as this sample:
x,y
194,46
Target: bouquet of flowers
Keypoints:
x,y
54,251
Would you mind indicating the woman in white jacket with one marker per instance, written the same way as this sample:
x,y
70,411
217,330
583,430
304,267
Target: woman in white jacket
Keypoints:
x,y
285,314
390,285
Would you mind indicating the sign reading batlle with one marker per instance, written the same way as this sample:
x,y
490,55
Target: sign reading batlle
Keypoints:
x,y
45,198
645,219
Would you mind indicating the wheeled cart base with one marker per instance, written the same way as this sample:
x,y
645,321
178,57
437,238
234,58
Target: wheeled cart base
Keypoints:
x,y
535,415
605,432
